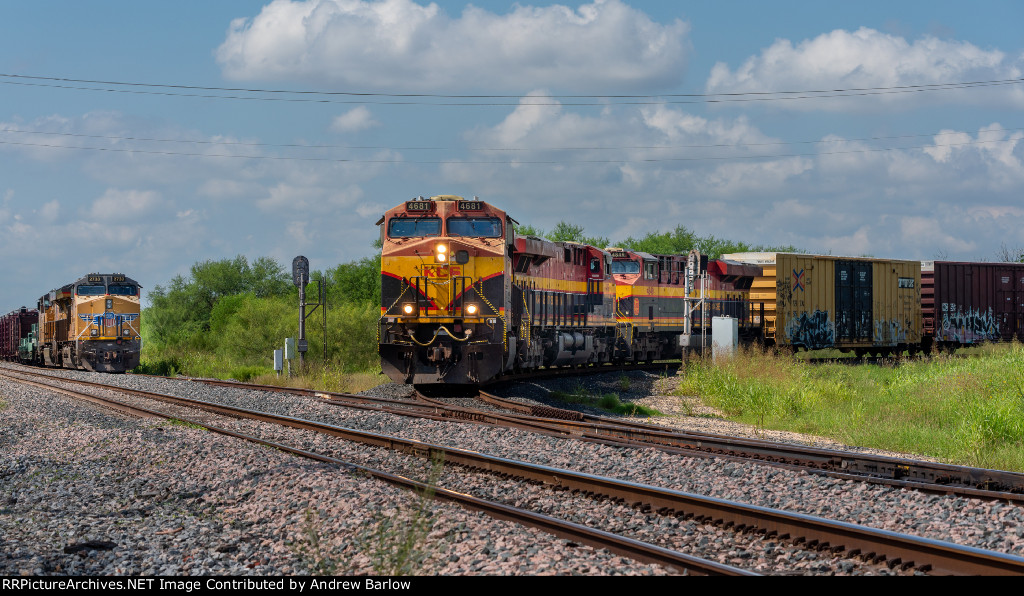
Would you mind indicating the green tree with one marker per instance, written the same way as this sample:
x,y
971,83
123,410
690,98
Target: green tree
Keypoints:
x,y
354,282
181,312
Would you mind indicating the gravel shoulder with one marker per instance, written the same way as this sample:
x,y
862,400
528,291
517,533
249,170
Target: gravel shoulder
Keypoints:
x,y
84,491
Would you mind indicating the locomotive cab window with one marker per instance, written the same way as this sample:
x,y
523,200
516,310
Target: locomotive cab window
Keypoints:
x,y
414,227
121,290
650,270
91,290
476,227
620,267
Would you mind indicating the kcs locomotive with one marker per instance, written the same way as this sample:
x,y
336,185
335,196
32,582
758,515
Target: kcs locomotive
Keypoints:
x,y
465,300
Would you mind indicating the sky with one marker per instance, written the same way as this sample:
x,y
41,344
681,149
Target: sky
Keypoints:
x,y
143,137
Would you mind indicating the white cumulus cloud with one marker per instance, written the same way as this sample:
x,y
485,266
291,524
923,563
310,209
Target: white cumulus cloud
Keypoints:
x,y
354,120
118,205
399,44
866,59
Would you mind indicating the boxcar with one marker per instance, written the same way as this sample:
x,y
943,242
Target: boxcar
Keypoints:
x,y
816,302
970,303
14,328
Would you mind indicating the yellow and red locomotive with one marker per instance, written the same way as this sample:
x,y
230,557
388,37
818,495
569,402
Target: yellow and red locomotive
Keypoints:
x,y
465,300
444,291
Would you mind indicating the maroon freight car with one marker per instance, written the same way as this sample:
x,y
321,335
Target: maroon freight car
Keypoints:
x,y
15,326
970,303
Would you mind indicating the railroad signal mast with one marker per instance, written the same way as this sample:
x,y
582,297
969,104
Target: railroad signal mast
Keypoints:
x,y
300,277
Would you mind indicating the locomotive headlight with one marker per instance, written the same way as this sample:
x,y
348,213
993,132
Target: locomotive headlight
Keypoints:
x,y
441,257
471,309
442,253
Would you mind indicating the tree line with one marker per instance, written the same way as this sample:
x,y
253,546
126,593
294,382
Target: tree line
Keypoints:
x,y
229,314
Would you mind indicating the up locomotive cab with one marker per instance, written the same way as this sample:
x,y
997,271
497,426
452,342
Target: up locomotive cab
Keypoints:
x,y
92,323
444,291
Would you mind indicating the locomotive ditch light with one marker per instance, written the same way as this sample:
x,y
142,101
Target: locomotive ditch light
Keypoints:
x,y
94,332
472,309
409,308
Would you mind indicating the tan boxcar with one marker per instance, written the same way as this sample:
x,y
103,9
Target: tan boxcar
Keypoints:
x,y
847,303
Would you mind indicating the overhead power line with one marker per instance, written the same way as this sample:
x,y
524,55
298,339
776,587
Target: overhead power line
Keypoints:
x,y
358,97
492,149
495,162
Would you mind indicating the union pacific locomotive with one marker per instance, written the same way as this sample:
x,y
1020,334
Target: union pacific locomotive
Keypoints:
x,y
465,300
91,324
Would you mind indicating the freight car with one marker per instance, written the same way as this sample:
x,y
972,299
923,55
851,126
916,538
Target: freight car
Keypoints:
x,y
966,304
91,324
16,328
464,300
863,305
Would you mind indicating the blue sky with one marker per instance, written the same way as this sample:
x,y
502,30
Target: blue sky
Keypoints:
x,y
149,179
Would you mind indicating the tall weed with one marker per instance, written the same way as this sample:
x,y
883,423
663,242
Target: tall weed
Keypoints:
x,y
967,410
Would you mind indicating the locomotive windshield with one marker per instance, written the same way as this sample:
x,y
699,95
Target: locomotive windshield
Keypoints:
x,y
92,290
625,267
477,227
408,227
121,290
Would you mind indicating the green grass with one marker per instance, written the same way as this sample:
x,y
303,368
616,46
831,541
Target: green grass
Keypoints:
x,y
966,410
314,375
608,402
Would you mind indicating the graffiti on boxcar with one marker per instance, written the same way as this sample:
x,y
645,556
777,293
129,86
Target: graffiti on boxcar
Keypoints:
x,y
783,293
814,331
968,326
890,333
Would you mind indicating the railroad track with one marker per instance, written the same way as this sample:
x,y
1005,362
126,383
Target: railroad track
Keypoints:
x,y
623,545
932,477
877,546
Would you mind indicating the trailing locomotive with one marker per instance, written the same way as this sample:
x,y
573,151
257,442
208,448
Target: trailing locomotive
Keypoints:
x,y
91,324
465,300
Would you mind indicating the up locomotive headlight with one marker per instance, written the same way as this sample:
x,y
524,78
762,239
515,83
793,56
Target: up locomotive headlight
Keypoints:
x,y
442,253
472,309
